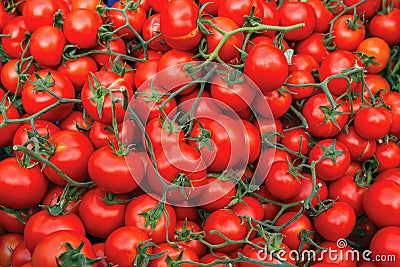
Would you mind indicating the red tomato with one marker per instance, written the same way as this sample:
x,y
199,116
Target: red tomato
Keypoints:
x,y
337,254
384,243
380,201
228,224
389,174
10,78
47,45
37,13
105,84
392,99
206,105
78,70
266,62
35,97
228,50
387,155
182,232
21,187
76,121
8,242
373,122
252,140
303,62
53,197
12,45
42,224
139,213
297,140
178,24
9,130
377,48
121,246
217,194
304,13
117,46
320,116
48,253
301,77
270,16
270,209
81,26
250,207
71,154
237,9
151,28
292,231
368,9
135,18
5,17
347,33
20,255
360,149
173,253
314,46
385,26
104,165
324,16
144,72
335,159
281,182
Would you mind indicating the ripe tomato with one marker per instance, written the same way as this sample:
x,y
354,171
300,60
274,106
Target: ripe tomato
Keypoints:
x,y
228,224
103,59
81,26
377,48
360,149
292,231
320,116
392,99
42,224
10,78
121,246
270,16
35,97
71,154
144,72
97,208
389,174
12,45
302,62
178,24
368,9
21,187
313,46
385,26
8,131
380,201
335,159
384,243
298,78
5,17
324,16
104,164
100,134
373,122
151,28
304,14
140,213
280,182
252,140
229,50
206,105
297,140
173,253
20,255
54,194
8,242
182,235
135,18
48,253
237,9
76,122
47,45
77,71
387,155
338,255
266,62
163,133
217,194
336,222
345,189
38,13
335,63
348,33
105,84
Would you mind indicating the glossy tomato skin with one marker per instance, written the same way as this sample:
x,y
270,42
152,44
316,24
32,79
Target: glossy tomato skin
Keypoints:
x,y
5,17
340,258
386,242
379,200
10,223
162,133
151,28
9,77
292,231
386,27
37,13
8,242
313,46
102,59
228,51
78,122
94,211
48,251
323,15
368,9
34,100
280,182
78,70
136,19
20,255
252,140
319,124
71,155
297,140
217,194
292,13
373,122
16,28
266,62
237,9
80,28
392,99
301,77
387,155
360,148
379,49
389,174
249,207
145,203
104,166
187,255
144,72
345,189
178,24
53,195
47,45
111,81
303,62
195,245
122,244
42,224
335,165
229,224
9,130
21,187
345,37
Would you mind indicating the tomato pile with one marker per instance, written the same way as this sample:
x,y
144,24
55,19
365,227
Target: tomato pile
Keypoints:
x,y
199,133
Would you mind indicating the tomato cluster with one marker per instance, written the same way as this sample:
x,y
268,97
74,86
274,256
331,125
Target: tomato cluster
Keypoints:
x,y
199,133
